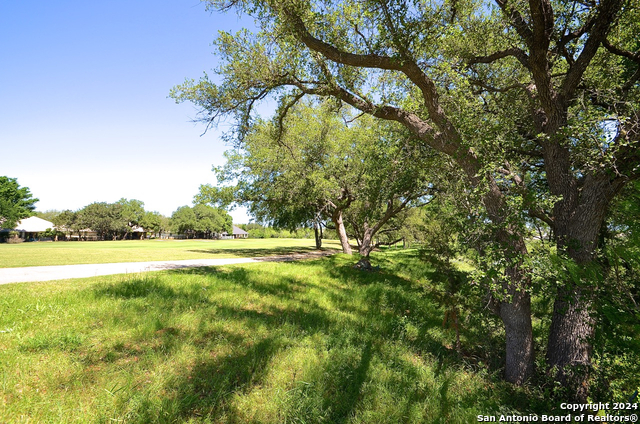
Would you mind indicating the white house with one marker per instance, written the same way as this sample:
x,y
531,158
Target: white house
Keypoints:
x,y
238,233
29,228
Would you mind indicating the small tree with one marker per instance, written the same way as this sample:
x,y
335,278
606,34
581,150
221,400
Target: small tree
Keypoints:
x,y
68,221
183,221
154,222
103,218
322,164
16,202
211,222
131,212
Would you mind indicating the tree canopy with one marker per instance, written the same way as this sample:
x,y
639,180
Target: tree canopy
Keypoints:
x,y
535,103
201,221
16,202
320,164
113,220
104,218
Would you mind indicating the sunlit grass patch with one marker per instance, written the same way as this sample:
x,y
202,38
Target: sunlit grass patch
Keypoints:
x,y
98,252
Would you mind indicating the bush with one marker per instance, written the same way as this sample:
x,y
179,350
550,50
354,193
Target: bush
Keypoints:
x,y
13,237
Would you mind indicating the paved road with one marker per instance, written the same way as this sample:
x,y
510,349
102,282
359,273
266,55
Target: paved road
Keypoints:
x,y
62,272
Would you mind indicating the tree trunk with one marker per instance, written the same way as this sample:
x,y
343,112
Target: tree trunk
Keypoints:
x,y
579,218
515,309
572,324
366,244
516,317
317,228
515,312
569,349
342,232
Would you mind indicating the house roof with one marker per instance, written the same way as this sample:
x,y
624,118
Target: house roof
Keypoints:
x,y
238,231
33,224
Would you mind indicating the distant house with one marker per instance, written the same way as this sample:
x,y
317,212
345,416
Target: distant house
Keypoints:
x,y
85,234
238,233
138,233
29,228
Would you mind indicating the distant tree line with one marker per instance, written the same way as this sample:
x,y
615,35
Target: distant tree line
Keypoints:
x,y
259,231
110,221
125,220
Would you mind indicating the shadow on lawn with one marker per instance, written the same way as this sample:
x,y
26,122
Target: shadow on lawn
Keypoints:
x,y
351,384
256,253
153,288
207,389
396,311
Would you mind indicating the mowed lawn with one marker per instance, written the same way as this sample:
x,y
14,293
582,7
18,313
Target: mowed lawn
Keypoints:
x,y
303,342
95,252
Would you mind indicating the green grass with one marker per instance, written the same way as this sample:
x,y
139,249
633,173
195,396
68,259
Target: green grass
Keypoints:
x,y
305,342
65,253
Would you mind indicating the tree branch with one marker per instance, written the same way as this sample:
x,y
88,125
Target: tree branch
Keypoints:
x,y
602,23
519,54
517,21
406,66
634,56
388,243
281,115
538,213
487,87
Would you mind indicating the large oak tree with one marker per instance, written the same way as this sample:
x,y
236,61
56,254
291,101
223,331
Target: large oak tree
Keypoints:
x,y
536,103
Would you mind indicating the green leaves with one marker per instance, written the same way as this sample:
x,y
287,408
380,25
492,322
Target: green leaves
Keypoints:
x,y
201,221
15,202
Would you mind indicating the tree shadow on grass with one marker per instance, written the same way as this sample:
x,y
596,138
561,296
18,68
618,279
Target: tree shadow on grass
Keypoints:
x,y
284,287
205,390
343,403
426,290
136,288
151,287
257,252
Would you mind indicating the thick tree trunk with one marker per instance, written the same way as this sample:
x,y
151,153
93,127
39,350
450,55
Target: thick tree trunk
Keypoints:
x,y
342,232
572,325
515,312
516,317
578,223
569,349
365,247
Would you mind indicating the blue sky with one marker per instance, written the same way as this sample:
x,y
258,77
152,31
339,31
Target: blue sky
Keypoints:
x,y
84,112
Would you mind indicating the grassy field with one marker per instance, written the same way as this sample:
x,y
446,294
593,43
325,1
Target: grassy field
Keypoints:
x,y
96,252
306,342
